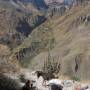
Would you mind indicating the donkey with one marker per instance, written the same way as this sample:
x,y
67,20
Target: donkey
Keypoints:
x,y
46,76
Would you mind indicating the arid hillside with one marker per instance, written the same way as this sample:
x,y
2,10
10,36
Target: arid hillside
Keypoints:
x,y
28,37
66,37
16,23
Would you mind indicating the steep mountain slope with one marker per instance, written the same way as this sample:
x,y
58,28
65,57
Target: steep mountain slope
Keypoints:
x,y
15,25
68,40
28,36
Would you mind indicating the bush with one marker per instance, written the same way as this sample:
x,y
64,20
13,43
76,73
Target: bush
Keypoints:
x,y
8,84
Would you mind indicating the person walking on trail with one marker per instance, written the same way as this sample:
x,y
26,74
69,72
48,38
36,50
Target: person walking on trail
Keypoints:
x,y
27,86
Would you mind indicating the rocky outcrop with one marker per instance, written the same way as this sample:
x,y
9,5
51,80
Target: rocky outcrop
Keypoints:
x,y
56,9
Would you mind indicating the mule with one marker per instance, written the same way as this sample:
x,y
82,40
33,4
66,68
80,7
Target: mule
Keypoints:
x,y
46,76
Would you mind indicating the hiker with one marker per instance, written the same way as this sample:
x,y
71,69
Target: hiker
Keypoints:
x,y
28,86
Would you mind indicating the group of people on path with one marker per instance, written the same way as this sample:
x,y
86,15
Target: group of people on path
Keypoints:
x,y
29,86
53,83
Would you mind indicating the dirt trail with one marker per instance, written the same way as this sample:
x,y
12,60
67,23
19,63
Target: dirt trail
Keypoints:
x,y
30,75
38,81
